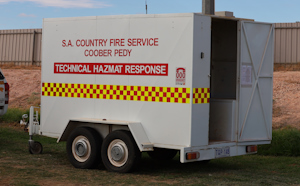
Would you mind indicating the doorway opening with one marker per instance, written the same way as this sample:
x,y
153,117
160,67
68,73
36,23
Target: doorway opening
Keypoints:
x,y
223,81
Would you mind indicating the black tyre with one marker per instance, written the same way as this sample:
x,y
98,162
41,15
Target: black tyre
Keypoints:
x,y
35,148
161,154
119,152
83,148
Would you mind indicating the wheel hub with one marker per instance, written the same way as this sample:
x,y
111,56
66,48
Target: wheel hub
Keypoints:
x,y
117,152
81,148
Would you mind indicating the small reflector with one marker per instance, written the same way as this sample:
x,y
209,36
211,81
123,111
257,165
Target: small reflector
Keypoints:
x,y
192,155
252,148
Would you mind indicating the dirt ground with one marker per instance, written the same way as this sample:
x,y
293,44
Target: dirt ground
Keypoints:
x,y
286,99
25,85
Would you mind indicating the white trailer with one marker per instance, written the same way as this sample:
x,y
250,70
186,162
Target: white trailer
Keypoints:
x,y
116,86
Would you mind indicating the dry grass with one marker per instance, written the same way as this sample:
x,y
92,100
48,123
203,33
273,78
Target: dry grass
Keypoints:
x,y
27,67
277,111
34,99
286,99
286,67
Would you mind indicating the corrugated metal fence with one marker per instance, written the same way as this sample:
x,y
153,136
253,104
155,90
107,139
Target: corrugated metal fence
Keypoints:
x,y
287,43
21,47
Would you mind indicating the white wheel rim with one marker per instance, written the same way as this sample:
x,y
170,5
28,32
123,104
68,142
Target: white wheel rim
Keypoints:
x,y
81,148
117,153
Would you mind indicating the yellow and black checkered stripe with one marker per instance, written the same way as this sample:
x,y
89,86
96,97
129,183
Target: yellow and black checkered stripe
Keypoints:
x,y
119,92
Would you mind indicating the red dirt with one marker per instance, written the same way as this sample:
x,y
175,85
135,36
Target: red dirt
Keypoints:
x,y
286,99
25,87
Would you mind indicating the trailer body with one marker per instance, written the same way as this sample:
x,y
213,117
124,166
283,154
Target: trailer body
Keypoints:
x,y
191,82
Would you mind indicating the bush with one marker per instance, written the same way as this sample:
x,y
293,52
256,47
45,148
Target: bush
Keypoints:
x,y
13,115
285,142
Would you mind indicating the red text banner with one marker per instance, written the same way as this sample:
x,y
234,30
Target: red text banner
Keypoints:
x,y
145,69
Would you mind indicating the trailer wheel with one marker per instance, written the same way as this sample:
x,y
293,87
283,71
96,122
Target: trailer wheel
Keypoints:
x,y
119,152
83,148
35,148
161,154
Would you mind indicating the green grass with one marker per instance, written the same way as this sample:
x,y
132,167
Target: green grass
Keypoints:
x,y
18,167
13,115
285,142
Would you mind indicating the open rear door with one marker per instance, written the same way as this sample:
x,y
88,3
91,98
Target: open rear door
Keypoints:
x,y
256,81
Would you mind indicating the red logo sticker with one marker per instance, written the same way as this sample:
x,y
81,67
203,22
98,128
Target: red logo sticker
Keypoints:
x,y
180,76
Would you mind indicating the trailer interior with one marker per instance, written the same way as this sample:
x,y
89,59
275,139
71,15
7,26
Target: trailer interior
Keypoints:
x,y
223,81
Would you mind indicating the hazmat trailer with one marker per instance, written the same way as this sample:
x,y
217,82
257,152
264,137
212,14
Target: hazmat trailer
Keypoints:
x,y
116,86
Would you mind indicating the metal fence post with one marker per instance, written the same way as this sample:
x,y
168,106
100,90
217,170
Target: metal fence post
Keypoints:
x,y
208,7
33,47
